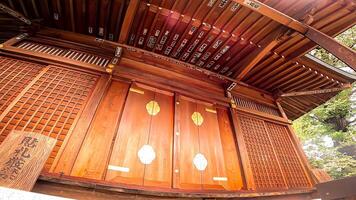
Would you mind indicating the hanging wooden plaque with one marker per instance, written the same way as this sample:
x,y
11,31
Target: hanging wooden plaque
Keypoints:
x,y
23,155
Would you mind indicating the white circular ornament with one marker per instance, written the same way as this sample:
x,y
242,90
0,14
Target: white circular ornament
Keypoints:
x,y
200,162
146,154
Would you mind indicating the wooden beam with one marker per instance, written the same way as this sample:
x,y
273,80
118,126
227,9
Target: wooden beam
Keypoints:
x,y
128,20
265,46
342,52
281,110
345,54
15,14
273,14
313,92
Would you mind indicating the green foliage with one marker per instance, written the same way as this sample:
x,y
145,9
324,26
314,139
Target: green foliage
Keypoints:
x,y
329,139
323,124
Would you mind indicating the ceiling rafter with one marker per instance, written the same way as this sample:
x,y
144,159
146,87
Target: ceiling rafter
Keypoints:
x,y
15,14
313,92
344,53
265,46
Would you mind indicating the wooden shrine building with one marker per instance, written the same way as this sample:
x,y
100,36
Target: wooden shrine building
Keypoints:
x,y
167,98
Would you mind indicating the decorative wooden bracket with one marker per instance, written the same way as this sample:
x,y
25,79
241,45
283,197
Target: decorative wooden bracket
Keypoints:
x,y
232,100
342,52
114,61
231,86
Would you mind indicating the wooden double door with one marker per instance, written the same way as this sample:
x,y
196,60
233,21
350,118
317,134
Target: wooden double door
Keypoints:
x,y
148,137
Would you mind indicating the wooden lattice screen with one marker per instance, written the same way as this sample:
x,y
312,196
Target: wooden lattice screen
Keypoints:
x,y
48,104
287,156
14,76
253,105
264,165
272,156
64,52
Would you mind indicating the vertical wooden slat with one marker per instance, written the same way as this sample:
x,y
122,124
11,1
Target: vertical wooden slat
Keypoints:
x,y
91,161
243,152
232,161
64,162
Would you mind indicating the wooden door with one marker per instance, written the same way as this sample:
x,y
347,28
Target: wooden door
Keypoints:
x,y
199,139
147,121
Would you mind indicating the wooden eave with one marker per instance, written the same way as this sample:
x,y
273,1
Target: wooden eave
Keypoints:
x,y
232,31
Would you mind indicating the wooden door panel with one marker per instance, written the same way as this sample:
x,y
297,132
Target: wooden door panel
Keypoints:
x,y
159,172
93,156
232,163
132,134
210,145
203,136
189,176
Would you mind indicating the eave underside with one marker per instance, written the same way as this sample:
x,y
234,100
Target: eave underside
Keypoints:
x,y
222,33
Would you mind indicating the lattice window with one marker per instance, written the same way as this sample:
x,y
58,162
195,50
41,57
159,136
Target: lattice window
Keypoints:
x,y
253,105
66,53
14,76
288,158
50,105
264,164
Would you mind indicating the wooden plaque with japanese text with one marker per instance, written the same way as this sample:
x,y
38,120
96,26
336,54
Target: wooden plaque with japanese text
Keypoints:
x,y
23,155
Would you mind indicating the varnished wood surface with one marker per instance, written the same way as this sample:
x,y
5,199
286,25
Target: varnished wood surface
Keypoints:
x,y
65,160
114,121
92,159
90,184
138,128
23,155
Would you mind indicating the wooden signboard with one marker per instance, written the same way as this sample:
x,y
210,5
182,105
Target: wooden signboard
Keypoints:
x,y
23,155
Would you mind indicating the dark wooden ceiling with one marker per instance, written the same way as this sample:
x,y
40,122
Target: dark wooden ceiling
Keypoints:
x,y
100,18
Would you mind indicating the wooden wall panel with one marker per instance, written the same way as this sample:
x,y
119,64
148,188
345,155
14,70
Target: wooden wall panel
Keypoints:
x,y
49,105
138,128
264,164
92,159
272,160
232,162
67,155
291,164
14,76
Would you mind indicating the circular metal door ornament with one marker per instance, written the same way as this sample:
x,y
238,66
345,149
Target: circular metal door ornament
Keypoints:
x,y
200,162
153,108
197,118
146,154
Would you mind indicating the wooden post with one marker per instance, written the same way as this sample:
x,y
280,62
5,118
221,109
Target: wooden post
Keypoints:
x,y
176,142
280,108
247,171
